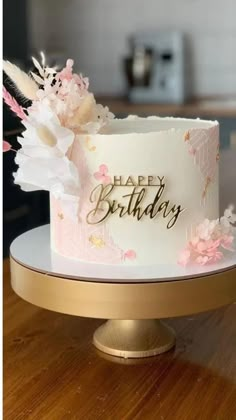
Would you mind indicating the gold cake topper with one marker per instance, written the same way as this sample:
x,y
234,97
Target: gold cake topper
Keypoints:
x,y
133,203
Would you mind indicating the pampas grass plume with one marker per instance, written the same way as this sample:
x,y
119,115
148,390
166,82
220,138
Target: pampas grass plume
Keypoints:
x,y
25,85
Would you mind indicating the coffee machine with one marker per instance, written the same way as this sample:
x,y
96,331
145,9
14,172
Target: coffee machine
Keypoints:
x,y
156,69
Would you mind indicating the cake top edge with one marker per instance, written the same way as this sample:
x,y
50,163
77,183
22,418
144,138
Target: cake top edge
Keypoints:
x,y
134,124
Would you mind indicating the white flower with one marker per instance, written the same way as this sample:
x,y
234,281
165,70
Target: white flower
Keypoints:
x,y
87,116
227,221
42,160
43,128
100,117
206,229
44,174
228,213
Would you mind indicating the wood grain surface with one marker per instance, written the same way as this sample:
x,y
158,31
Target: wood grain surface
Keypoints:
x,y
53,372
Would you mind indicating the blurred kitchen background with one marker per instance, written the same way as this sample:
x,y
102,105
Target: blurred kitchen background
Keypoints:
x,y
145,57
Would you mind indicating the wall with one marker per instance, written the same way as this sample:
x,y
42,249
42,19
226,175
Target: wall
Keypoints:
x,y
95,33
15,46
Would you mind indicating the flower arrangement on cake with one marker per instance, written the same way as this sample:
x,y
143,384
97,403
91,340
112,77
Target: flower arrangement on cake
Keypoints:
x,y
210,239
61,107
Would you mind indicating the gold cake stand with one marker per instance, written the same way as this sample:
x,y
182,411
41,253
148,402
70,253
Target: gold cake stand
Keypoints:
x,y
133,308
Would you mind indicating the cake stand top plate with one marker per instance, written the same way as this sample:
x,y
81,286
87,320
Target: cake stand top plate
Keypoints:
x,y
32,249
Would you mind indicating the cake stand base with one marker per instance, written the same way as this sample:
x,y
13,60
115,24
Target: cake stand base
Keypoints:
x,y
134,338
132,299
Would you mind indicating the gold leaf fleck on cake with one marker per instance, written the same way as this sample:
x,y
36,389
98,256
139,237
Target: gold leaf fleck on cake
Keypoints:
x,y
61,216
89,146
187,136
96,241
207,183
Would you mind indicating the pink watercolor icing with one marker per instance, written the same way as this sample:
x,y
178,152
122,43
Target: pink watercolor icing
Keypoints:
x,y
72,236
75,239
203,145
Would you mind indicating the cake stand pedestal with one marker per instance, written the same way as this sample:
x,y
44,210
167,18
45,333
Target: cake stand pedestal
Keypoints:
x,y
134,338
132,299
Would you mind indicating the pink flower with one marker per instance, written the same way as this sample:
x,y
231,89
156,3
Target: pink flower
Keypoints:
x,y
130,254
184,257
211,246
200,246
216,256
102,176
209,239
226,242
6,146
82,82
202,260
66,73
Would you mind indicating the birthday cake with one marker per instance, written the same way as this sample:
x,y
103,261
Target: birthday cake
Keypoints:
x,y
138,191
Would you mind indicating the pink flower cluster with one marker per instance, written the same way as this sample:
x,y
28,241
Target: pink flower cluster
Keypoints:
x,y
210,239
68,96
67,74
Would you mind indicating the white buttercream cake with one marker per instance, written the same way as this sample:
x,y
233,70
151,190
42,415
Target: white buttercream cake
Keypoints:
x,y
135,191
145,184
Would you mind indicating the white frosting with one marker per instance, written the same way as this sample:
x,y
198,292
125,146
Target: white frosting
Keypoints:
x,y
137,125
146,147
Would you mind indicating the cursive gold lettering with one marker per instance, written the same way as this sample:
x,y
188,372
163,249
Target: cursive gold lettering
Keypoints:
x,y
136,211
100,195
151,208
134,203
176,210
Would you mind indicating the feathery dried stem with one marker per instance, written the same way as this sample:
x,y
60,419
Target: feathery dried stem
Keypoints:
x,y
13,104
24,83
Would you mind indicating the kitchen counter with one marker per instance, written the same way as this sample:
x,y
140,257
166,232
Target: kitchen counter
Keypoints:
x,y
53,372
215,107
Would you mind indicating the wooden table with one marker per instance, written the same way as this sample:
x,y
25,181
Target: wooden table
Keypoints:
x,y
215,107
53,372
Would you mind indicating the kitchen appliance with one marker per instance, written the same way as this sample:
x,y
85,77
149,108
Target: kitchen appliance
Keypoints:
x,y
156,68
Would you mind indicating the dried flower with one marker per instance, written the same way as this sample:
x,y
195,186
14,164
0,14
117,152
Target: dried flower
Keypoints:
x,y
211,237
43,162
13,104
61,107
24,84
6,146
